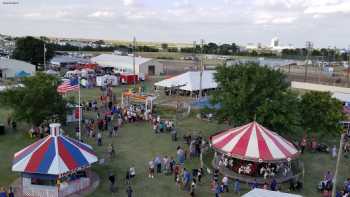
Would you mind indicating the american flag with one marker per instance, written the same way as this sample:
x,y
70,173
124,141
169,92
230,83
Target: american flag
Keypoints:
x,y
68,86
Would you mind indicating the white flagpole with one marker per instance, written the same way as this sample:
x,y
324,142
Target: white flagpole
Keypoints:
x,y
80,111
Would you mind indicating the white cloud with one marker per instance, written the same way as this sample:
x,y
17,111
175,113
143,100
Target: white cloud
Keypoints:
x,y
283,20
269,18
343,7
102,14
213,20
61,14
32,14
318,16
128,2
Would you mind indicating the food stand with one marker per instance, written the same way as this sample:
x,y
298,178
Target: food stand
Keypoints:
x,y
130,98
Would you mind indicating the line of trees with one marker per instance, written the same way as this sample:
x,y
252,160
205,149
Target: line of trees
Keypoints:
x,y
69,47
30,49
249,91
321,54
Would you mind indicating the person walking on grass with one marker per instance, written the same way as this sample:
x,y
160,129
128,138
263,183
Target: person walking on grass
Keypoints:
x,y
199,174
193,187
11,193
158,163
217,190
237,187
128,177
186,179
111,151
151,169
334,152
99,139
129,191
111,179
225,183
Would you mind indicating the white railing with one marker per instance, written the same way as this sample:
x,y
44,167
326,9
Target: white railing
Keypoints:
x,y
53,191
74,186
40,191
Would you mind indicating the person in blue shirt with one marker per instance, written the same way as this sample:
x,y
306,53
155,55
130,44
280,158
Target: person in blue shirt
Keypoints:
x,y
3,193
254,184
217,190
237,187
186,178
273,185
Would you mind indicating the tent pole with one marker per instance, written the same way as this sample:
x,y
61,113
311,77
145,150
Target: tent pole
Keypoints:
x,y
337,165
80,111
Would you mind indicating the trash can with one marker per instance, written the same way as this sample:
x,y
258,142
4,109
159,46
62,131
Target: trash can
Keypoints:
x,y
2,129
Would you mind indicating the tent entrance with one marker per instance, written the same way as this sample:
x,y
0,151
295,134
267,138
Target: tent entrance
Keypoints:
x,y
151,70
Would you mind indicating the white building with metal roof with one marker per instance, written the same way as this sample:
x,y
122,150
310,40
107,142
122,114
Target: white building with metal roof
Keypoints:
x,y
9,68
146,66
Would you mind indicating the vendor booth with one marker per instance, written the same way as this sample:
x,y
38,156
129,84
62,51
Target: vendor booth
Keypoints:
x,y
107,80
55,166
146,100
253,153
128,78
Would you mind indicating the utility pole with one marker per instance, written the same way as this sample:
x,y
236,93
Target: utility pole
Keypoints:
x,y
133,60
176,89
201,70
44,55
340,151
194,54
309,46
347,69
320,67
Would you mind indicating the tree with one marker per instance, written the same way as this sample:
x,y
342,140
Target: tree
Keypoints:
x,y
36,101
173,49
246,91
164,46
31,50
235,48
321,113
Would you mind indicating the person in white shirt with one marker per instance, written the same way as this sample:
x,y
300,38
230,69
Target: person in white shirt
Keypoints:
x,y
225,183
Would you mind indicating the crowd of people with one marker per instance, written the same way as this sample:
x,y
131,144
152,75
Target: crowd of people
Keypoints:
x,y
110,117
174,166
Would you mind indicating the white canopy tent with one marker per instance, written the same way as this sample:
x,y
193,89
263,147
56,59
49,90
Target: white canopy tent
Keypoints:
x,y
343,97
267,193
190,81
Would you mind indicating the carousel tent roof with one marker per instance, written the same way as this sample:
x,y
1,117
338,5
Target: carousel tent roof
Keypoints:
x,y
54,155
267,193
253,142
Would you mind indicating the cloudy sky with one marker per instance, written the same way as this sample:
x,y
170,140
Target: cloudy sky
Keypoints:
x,y
325,22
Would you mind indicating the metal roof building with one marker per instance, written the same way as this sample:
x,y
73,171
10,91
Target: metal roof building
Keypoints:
x,y
62,60
9,68
145,66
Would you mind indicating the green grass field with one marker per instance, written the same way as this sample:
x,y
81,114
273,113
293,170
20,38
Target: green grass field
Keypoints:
x,y
137,144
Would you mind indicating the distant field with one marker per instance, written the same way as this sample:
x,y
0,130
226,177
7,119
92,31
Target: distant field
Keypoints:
x,y
151,44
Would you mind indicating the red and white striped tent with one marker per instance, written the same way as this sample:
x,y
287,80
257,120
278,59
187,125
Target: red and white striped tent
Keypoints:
x,y
253,142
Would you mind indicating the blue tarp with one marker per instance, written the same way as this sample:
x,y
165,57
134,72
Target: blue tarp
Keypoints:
x,y
22,74
204,102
